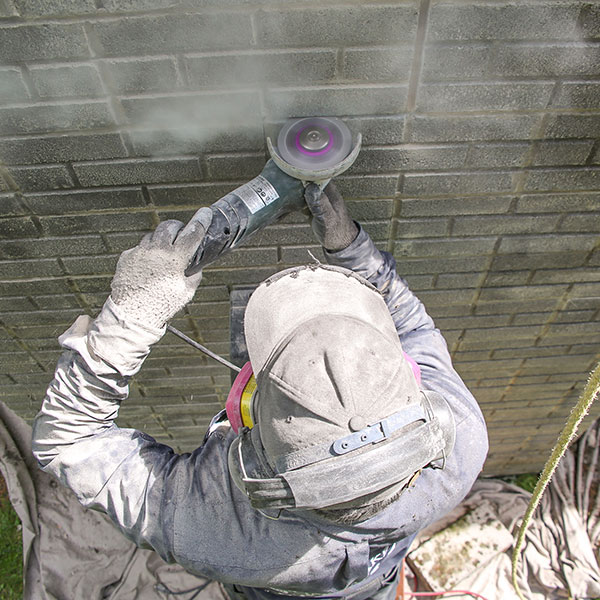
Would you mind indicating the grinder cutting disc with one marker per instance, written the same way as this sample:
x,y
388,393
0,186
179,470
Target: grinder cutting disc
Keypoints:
x,y
314,142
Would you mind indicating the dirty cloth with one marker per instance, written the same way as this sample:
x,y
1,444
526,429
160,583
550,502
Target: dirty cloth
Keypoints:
x,y
187,508
560,555
70,552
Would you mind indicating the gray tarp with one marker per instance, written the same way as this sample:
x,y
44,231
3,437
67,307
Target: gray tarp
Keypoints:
x,y
74,553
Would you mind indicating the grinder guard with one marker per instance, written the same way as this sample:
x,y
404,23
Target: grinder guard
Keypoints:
x,y
278,190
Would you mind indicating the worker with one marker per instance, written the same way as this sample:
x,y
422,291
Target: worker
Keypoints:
x,y
361,434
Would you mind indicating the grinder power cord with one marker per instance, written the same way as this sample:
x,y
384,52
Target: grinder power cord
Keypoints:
x,y
350,450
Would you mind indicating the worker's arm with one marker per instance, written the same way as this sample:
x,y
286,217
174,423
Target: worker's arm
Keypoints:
x,y
417,332
122,472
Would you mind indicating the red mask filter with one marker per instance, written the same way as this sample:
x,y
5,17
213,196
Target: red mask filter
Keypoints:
x,y
239,400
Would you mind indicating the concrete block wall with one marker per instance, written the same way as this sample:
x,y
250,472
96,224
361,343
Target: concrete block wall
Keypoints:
x,y
480,172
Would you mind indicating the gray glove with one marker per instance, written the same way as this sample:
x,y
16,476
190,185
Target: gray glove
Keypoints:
x,y
149,285
331,222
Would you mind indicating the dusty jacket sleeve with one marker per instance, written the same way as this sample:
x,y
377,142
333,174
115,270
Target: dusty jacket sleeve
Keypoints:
x,y
122,472
426,345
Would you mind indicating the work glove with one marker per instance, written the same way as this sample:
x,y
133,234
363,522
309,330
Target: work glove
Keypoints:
x,y
150,285
330,221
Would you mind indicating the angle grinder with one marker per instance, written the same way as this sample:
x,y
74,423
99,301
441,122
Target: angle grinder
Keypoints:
x,y
309,150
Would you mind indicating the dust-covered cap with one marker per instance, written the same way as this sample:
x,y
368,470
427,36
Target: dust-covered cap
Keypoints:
x,y
327,358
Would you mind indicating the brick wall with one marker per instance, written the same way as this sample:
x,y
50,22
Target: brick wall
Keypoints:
x,y
480,172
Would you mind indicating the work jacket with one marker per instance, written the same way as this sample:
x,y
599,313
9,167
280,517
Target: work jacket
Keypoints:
x,y
186,506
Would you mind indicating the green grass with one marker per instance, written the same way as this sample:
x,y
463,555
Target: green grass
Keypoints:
x,y
526,481
11,550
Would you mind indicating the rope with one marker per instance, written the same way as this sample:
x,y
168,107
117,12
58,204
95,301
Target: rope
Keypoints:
x,y
580,410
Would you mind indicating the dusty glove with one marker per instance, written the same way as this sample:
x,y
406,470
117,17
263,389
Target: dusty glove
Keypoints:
x,y
149,285
331,222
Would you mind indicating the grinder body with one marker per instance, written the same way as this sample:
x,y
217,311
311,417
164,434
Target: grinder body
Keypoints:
x,y
312,149
246,210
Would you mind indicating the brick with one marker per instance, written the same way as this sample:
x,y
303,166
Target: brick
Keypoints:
x,y
144,75
31,288
45,317
543,260
196,138
8,9
472,127
463,97
557,244
544,60
564,179
422,228
10,205
447,62
36,8
503,225
42,42
73,201
117,242
247,257
573,126
367,186
36,178
451,183
370,210
457,280
54,302
173,33
338,100
380,130
489,156
136,171
53,117
558,203
48,247
17,228
12,86
194,195
590,17
435,157
233,167
194,111
259,67
578,95
63,81
379,160
91,265
94,284
62,148
16,303
565,275
300,255
528,292
69,225
417,207
343,26
504,278
476,246
579,224
435,265
378,64
504,21
27,269
559,153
